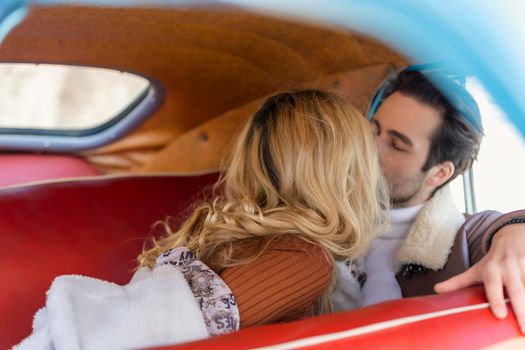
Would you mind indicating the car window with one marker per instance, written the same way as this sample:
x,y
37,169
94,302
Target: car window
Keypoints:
x,y
59,97
499,173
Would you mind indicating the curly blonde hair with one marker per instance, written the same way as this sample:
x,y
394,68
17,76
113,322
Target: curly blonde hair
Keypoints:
x,y
304,165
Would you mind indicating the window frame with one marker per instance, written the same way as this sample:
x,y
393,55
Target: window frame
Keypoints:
x,y
71,141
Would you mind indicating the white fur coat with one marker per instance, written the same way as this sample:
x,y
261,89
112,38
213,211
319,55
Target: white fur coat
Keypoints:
x,y
87,313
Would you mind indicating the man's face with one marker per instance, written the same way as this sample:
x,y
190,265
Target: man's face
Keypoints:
x,y
404,128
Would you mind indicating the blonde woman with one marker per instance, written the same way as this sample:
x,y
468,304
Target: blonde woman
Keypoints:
x,y
302,187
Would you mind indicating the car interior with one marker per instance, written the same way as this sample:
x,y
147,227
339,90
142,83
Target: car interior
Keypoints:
x,y
89,211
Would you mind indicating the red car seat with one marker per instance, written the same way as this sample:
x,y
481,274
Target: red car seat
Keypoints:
x,y
93,227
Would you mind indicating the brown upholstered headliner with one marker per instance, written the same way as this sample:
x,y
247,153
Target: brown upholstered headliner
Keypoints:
x,y
209,61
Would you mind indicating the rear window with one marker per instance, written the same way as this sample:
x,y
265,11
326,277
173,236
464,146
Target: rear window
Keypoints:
x,y
44,97
498,173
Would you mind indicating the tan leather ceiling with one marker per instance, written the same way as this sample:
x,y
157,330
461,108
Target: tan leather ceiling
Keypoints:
x,y
209,61
204,146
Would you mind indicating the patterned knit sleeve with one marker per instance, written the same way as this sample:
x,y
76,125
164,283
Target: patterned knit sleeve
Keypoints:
x,y
282,284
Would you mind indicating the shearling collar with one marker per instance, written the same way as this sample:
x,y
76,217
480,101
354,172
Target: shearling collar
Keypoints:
x,y
431,237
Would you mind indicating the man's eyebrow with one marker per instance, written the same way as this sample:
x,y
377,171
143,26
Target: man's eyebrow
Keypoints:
x,y
401,136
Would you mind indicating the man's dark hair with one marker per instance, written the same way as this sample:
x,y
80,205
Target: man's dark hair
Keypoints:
x,y
457,140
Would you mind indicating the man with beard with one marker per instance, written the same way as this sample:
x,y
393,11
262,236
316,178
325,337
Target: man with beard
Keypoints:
x,y
425,141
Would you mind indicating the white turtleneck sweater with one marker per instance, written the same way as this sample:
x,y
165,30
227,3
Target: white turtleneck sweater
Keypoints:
x,y
381,283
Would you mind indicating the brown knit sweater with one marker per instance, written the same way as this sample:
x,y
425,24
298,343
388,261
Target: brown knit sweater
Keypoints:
x,y
282,284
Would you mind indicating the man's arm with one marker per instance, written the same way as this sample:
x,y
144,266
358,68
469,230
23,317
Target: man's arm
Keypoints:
x,y
497,252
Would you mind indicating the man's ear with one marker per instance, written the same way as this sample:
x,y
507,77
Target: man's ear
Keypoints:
x,y
439,174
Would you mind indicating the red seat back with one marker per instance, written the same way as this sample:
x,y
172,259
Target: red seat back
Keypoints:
x,y
90,227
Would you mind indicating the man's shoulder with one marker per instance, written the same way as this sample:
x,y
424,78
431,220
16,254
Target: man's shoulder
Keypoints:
x,y
482,217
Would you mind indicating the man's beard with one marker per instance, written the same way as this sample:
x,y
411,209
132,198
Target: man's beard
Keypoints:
x,y
402,192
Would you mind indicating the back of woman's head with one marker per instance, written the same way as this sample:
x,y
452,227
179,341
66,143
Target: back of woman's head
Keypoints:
x,y
305,164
